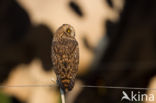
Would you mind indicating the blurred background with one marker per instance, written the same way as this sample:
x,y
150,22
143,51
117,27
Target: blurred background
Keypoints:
x,y
117,40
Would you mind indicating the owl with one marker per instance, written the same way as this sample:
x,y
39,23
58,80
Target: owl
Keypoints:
x,y
65,56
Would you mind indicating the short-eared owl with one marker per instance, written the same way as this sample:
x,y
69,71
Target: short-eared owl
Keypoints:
x,y
65,56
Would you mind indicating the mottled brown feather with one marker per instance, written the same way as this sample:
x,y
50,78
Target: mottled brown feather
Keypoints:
x,y
65,57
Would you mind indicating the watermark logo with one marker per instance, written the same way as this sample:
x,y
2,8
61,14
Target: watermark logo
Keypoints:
x,y
137,96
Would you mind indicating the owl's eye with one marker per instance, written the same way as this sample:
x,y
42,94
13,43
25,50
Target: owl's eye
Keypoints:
x,y
68,30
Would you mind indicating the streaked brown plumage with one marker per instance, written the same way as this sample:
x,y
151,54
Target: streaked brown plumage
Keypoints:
x,y
65,56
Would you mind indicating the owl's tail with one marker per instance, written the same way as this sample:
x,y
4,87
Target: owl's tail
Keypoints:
x,y
67,85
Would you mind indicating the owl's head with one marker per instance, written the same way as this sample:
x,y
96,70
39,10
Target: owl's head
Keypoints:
x,y
65,30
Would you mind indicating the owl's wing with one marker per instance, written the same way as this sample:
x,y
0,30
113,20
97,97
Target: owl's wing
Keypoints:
x,y
65,54
77,55
65,57
65,50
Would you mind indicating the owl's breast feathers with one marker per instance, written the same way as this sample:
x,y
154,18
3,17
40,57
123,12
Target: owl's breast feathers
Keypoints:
x,y
65,57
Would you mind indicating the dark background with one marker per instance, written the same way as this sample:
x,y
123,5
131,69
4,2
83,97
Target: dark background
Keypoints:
x,y
129,59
